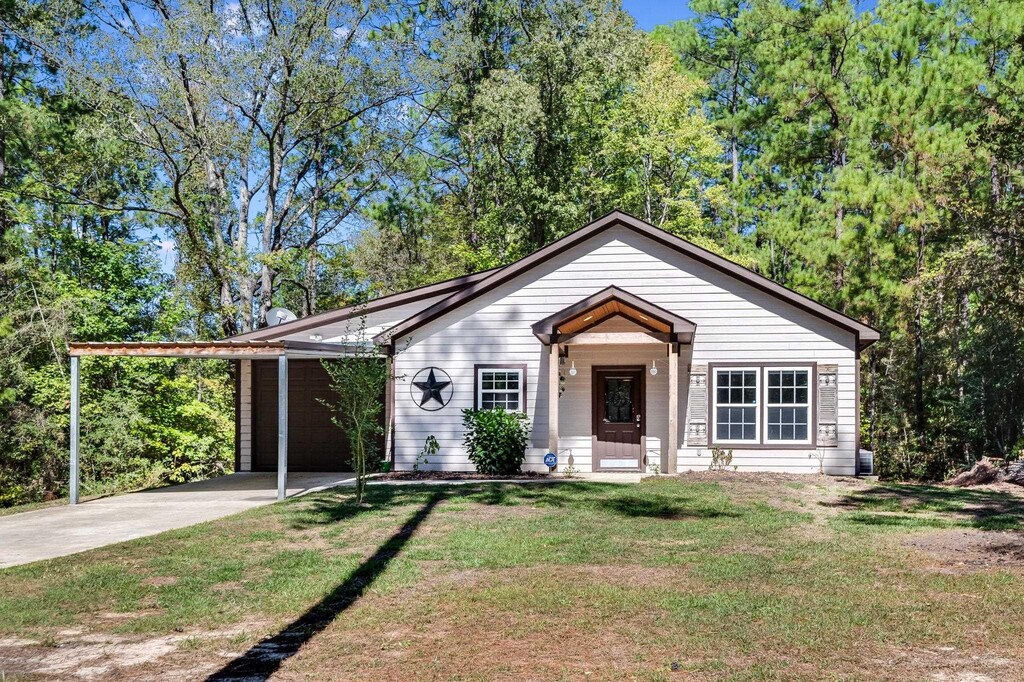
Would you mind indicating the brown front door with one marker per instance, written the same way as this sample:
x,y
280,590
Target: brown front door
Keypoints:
x,y
618,397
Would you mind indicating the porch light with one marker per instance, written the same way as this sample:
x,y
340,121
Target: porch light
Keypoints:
x,y
654,368
572,369
316,337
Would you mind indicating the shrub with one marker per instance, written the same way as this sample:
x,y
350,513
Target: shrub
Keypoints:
x,y
496,440
358,382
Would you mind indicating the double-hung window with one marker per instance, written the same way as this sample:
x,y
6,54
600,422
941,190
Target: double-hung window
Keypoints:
x,y
762,405
501,387
735,413
788,405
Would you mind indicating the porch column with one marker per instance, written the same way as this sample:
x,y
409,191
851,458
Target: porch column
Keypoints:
x,y
282,426
389,411
673,408
73,492
553,398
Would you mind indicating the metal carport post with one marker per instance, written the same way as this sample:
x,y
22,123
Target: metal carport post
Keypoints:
x,y
282,426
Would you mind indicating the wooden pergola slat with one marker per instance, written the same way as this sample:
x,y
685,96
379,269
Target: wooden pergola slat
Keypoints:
x,y
212,349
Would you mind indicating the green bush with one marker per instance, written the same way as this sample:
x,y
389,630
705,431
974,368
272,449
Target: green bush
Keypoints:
x,y
496,440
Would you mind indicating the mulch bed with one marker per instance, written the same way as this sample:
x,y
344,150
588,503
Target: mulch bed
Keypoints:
x,y
454,476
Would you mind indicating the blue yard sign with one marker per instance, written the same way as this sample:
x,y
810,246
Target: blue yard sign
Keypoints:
x,y
550,460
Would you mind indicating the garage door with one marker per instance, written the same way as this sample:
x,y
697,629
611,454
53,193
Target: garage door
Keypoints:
x,y
314,442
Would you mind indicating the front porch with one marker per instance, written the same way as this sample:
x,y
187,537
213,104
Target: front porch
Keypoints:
x,y
613,385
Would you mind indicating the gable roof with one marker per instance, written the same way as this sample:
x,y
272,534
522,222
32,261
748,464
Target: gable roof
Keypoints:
x,y
866,335
446,287
614,302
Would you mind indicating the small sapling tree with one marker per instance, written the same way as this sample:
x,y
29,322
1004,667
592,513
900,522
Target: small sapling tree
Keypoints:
x,y
358,382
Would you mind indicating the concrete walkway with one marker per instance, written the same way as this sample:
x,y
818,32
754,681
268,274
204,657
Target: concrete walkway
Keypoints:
x,y
57,531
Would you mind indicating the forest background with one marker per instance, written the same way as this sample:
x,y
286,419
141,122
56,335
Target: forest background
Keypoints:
x,y
172,170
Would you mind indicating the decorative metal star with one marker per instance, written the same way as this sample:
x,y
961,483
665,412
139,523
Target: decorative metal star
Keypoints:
x,y
431,389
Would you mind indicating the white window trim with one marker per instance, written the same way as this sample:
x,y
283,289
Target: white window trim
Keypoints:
x,y
809,404
500,368
756,440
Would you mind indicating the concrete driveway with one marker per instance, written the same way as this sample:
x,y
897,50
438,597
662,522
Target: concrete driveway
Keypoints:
x,y
57,531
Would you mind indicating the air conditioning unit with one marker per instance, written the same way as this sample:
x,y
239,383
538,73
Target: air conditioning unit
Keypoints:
x,y
866,463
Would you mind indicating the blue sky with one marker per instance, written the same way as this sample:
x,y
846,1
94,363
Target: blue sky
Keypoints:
x,y
650,13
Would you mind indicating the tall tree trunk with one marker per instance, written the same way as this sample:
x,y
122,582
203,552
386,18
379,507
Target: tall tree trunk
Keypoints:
x,y
872,400
839,162
6,221
919,409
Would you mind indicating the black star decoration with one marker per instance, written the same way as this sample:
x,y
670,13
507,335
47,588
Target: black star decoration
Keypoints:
x,y
431,389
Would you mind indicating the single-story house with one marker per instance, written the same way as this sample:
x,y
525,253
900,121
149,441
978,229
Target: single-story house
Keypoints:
x,y
628,348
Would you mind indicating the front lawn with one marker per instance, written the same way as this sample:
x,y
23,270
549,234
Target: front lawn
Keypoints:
x,y
701,577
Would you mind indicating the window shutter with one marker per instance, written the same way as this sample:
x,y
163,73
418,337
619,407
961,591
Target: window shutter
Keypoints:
x,y
828,405
697,399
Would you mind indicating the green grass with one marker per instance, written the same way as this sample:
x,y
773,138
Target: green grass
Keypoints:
x,y
548,580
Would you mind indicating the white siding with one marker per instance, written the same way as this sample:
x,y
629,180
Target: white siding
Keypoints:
x,y
245,416
361,327
735,322
575,415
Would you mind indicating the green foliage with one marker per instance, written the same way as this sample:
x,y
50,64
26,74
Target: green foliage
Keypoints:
x,y
71,271
873,168
358,383
496,440
551,113
430,448
869,159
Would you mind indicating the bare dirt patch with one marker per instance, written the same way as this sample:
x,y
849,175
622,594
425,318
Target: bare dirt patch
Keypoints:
x,y
947,664
814,494
92,656
964,551
626,576
766,478
1003,487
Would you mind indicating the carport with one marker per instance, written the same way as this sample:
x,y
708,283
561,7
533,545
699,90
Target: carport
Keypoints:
x,y
281,351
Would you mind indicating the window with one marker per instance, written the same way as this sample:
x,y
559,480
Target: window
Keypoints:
x,y
735,411
769,406
501,387
788,405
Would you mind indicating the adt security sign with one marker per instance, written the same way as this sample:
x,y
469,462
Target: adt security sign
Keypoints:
x,y
550,460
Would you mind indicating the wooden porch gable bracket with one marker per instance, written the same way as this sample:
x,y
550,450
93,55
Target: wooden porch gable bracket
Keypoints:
x,y
612,302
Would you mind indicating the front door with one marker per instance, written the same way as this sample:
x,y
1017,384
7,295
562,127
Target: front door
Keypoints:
x,y
618,398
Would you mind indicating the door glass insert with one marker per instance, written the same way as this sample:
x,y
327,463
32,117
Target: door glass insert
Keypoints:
x,y
618,400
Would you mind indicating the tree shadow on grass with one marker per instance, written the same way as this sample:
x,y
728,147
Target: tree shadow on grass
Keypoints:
x,y
266,657
606,497
626,501
661,507
557,494
335,506
982,509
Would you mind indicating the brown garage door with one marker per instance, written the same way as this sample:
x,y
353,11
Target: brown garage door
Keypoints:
x,y
314,442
